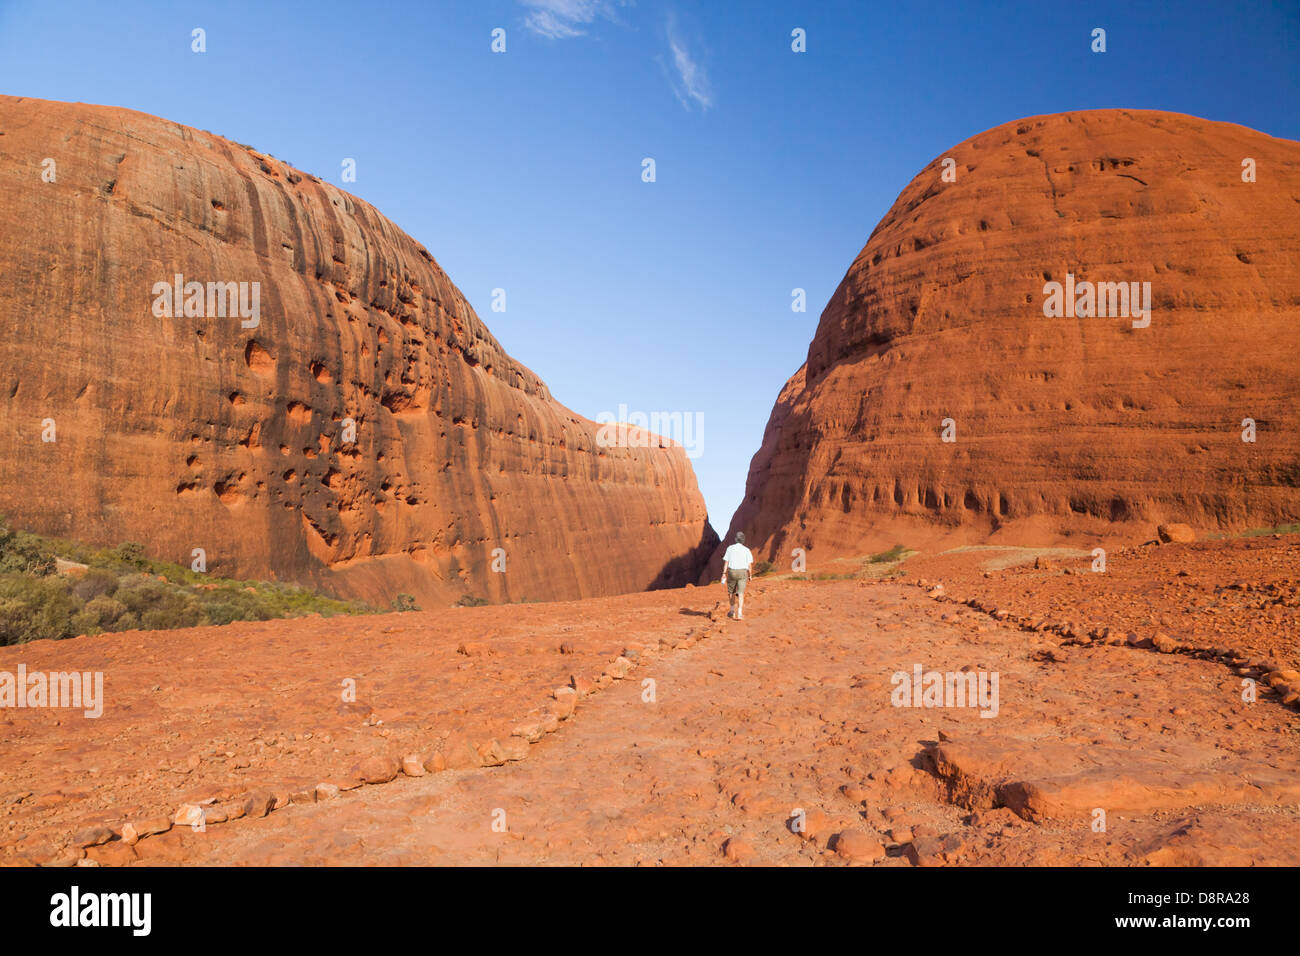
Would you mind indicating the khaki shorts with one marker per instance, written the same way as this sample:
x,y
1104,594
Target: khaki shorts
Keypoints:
x,y
736,579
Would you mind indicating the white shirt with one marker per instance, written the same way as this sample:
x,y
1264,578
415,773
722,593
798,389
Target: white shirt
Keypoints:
x,y
737,556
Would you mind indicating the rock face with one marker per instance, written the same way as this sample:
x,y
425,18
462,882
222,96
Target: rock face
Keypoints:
x,y
354,426
1064,424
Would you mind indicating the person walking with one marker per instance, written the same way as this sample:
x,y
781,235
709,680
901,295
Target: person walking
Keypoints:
x,y
736,565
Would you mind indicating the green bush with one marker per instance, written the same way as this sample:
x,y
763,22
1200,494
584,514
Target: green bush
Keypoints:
x,y
159,604
23,553
226,605
95,583
470,601
171,617
405,602
34,608
138,585
895,553
223,612
122,589
761,568
104,611
130,553
82,625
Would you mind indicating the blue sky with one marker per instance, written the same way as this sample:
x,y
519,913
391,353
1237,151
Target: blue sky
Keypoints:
x,y
523,170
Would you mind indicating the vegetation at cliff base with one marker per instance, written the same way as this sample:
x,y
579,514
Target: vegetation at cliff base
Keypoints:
x,y
52,589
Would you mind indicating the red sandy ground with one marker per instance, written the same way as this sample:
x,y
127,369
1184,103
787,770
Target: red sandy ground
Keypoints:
x,y
751,722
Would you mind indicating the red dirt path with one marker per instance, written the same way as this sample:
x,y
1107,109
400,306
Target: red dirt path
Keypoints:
x,y
751,722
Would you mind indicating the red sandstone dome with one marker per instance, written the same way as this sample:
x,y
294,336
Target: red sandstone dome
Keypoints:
x,y
353,425
1064,424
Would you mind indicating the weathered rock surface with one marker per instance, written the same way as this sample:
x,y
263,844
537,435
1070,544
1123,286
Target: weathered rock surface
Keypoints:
x,y
197,432
1061,425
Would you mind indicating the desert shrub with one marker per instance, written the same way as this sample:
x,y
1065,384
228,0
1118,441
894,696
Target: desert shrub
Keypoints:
x,y
223,612
470,601
895,553
96,582
138,581
130,553
122,590
83,624
1279,529
171,616
23,553
104,611
761,568
158,604
405,602
34,608
274,600
235,604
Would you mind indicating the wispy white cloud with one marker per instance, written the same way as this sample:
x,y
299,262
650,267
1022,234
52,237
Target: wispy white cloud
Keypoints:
x,y
564,19
686,74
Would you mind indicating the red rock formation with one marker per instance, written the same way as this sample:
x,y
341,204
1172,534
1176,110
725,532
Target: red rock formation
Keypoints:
x,y
1062,425
217,433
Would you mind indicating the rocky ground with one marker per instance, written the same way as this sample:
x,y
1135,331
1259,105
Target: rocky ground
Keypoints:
x,y
1146,715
